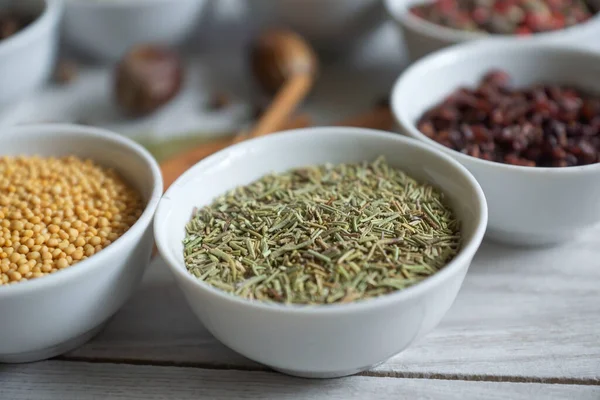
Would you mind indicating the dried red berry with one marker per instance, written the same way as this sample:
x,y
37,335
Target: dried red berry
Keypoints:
x,y
548,126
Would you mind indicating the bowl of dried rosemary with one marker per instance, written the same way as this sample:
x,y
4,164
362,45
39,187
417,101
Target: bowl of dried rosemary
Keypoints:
x,y
321,252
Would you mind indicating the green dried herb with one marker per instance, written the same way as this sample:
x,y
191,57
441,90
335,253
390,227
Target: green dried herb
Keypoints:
x,y
321,235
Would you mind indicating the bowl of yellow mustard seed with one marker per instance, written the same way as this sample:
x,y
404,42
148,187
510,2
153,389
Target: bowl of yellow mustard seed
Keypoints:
x,y
76,207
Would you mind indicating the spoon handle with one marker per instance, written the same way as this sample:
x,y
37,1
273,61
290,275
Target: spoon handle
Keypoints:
x,y
283,105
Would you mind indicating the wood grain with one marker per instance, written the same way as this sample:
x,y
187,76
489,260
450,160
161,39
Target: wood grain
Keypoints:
x,y
60,380
522,315
379,118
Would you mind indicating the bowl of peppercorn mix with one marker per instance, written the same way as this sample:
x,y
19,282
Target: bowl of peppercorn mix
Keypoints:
x,y
524,118
430,25
321,252
76,206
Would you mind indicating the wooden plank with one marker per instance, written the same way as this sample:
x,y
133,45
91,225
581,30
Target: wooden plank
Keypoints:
x,y
157,325
62,380
522,314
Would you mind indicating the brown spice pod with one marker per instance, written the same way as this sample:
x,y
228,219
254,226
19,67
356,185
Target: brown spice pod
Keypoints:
x,y
147,78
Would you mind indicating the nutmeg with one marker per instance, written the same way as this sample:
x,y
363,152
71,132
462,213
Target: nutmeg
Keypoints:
x,y
148,77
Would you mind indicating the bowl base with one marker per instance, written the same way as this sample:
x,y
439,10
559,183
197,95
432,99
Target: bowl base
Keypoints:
x,y
53,351
328,374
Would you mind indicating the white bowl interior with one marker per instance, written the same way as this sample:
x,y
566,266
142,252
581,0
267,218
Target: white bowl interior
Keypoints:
x,y
249,161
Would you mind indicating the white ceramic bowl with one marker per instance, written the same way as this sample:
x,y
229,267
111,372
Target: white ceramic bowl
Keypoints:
x,y
330,25
527,205
107,29
27,57
51,315
422,37
332,340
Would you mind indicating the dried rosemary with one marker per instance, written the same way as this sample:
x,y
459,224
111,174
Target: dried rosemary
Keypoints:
x,y
320,235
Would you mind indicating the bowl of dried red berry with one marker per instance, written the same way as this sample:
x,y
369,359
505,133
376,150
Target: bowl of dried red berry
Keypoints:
x,y
524,118
430,25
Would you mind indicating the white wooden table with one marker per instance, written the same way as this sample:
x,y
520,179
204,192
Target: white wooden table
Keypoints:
x,y
526,325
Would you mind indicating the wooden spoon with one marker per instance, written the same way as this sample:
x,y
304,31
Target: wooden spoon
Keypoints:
x,y
284,64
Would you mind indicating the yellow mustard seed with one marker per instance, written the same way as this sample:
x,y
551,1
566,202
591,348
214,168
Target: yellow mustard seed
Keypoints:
x,y
55,212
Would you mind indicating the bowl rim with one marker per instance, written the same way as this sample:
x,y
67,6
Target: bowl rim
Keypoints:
x,y
426,28
457,54
71,274
463,257
50,15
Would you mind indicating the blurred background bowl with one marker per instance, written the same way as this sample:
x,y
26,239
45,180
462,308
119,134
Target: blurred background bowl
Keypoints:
x,y
328,340
51,315
422,37
331,26
106,29
27,58
527,205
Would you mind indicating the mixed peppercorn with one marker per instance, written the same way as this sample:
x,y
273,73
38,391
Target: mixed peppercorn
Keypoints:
x,y
520,17
541,125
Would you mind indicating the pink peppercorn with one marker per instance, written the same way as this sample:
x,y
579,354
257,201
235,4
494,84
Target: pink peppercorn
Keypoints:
x,y
518,17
